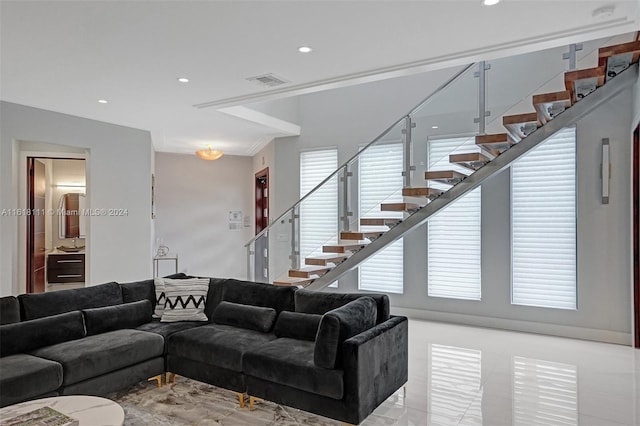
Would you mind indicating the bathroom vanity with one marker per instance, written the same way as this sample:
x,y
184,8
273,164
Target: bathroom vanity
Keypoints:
x,y
65,267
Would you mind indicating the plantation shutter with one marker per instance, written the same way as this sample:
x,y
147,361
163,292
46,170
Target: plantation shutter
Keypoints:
x,y
381,182
543,217
454,234
319,212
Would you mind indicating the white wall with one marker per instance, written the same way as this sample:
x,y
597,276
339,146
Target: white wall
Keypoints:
x,y
118,176
194,198
348,118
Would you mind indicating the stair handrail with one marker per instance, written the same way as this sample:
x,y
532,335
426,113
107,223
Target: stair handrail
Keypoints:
x,y
440,88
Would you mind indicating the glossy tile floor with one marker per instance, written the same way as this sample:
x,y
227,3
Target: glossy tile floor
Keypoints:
x,y
461,375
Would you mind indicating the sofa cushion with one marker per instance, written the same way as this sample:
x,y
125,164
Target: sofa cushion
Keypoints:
x,y
23,377
297,325
103,353
109,318
56,302
186,299
216,344
9,310
289,362
166,329
245,316
138,290
25,336
338,325
279,298
318,302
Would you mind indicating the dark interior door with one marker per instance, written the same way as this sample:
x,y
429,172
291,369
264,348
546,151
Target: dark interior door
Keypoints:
x,y
636,235
36,226
261,264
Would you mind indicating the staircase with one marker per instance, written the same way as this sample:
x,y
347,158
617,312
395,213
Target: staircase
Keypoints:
x,y
584,91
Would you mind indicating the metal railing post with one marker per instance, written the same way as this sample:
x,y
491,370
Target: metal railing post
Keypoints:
x,y
346,194
295,250
408,151
483,113
571,55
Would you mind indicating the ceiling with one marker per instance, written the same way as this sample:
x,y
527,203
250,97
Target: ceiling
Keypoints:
x,y
66,55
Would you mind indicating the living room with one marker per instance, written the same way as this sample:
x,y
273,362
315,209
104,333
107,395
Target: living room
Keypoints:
x,y
192,199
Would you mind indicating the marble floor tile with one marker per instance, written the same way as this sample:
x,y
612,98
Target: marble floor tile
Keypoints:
x,y
458,375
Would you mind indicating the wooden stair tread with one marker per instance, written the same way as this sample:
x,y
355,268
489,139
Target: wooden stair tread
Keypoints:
x,y
421,192
323,260
495,143
374,221
360,235
549,105
450,177
583,82
398,207
290,281
619,57
344,246
472,160
309,271
521,125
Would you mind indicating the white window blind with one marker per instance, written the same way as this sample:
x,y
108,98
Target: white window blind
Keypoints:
x,y
381,182
454,234
544,393
543,217
319,212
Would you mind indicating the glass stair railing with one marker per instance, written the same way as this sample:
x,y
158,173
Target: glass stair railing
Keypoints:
x,y
492,123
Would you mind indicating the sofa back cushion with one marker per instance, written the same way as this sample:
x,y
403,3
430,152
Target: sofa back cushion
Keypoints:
x,y
340,324
296,325
116,317
57,302
26,336
250,317
258,294
318,302
138,290
9,310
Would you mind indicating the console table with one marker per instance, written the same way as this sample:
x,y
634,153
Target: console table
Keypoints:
x,y
169,257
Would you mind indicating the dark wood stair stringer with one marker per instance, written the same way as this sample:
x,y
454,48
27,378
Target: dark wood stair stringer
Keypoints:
x,y
600,96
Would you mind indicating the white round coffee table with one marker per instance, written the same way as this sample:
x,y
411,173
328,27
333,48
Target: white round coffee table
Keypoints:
x,y
88,410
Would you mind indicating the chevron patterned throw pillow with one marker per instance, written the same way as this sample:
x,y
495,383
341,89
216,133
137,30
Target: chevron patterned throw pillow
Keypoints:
x,y
185,299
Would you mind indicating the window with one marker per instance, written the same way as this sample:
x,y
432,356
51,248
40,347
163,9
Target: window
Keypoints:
x,y
381,182
543,224
454,234
319,212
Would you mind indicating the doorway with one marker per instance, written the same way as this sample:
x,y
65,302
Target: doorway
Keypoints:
x,y
261,264
55,224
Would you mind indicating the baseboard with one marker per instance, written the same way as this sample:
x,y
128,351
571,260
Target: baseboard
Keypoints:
x,y
605,336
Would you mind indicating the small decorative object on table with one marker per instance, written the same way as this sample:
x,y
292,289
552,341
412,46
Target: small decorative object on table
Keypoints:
x,y
44,416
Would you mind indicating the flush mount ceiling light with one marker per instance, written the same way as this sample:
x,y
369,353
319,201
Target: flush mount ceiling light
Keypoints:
x,y
434,127
183,79
102,101
304,49
209,154
490,2
603,12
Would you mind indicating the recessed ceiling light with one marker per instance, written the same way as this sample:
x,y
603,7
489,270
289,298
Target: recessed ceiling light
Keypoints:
x,y
490,2
102,101
304,49
183,79
434,127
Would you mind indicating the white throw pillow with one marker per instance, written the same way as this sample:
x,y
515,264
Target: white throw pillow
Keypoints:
x,y
158,310
185,299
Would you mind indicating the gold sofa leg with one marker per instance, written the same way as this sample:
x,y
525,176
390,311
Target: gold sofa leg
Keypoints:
x,y
252,401
158,380
170,378
241,397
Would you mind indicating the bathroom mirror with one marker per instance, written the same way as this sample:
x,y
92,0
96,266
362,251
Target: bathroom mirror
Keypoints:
x,y
71,221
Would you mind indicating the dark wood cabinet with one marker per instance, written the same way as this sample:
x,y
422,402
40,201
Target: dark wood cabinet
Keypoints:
x,y
65,268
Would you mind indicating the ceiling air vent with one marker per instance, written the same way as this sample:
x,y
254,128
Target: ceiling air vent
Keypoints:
x,y
270,80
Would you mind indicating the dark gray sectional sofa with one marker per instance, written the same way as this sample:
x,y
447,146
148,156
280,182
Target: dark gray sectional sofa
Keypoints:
x,y
333,354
